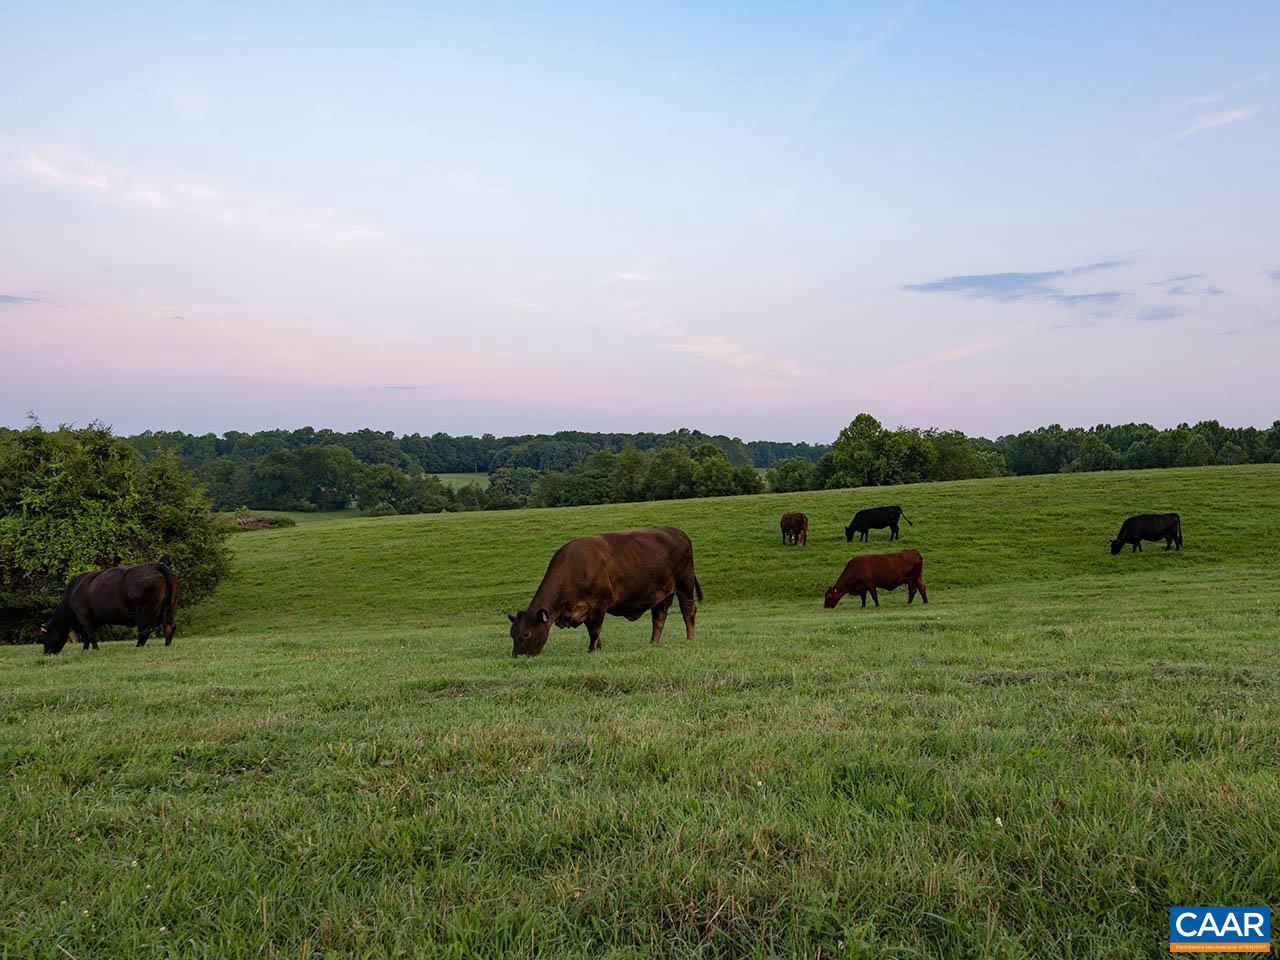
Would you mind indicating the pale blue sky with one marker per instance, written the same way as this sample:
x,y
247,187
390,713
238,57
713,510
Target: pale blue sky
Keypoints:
x,y
757,219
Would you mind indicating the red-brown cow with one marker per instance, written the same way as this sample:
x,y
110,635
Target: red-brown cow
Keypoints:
x,y
879,571
627,574
795,528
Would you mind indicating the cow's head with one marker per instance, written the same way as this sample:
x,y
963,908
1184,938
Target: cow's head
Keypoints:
x,y
832,598
848,533
1116,546
529,629
53,637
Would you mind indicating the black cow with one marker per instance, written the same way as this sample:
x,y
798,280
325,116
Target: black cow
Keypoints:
x,y
875,518
1149,526
143,596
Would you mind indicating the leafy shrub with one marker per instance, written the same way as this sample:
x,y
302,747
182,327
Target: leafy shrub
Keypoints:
x,y
73,500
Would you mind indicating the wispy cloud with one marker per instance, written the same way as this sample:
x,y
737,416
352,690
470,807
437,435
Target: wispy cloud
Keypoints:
x,y
1178,290
1179,279
1156,314
833,71
1274,275
1231,91
67,169
10,298
1014,287
636,276
950,355
530,306
733,354
1211,121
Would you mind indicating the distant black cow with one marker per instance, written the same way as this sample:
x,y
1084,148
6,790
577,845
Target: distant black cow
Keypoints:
x,y
143,596
795,529
1149,526
875,518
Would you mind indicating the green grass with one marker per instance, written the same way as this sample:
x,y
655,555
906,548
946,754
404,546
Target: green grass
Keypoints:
x,y
457,480
303,516
338,756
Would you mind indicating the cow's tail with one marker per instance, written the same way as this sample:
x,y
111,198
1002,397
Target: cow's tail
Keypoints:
x,y
697,587
906,518
1177,529
171,594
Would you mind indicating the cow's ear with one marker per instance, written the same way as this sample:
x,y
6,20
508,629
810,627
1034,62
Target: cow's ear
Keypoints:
x,y
543,616
511,617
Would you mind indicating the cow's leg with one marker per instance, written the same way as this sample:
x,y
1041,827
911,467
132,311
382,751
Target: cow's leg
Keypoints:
x,y
924,597
594,622
1168,543
863,595
911,592
659,613
875,596
893,531
689,613
168,633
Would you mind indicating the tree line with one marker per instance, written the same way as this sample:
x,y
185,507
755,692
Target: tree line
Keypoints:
x,y
302,469
379,472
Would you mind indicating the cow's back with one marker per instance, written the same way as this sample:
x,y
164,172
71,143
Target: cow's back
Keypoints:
x,y
623,568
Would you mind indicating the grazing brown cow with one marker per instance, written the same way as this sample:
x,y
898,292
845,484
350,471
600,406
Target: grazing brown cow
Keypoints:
x,y
795,528
626,574
143,596
883,571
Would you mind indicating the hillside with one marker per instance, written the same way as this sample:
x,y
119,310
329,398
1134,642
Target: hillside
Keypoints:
x,y
339,754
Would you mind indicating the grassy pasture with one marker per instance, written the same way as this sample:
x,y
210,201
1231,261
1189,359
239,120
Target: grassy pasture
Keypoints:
x,y
338,757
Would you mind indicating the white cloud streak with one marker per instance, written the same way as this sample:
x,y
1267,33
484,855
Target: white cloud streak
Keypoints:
x,y
1212,121
959,352
65,169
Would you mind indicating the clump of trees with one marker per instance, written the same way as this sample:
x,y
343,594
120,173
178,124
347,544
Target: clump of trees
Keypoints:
x,y
673,472
867,454
77,499
1137,446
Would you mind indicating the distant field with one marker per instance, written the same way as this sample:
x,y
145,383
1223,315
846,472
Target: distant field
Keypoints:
x,y
302,516
456,480
339,757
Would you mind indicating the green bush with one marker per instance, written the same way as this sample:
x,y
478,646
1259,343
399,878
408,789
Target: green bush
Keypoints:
x,y
73,500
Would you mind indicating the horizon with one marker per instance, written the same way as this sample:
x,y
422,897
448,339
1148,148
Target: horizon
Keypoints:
x,y
751,221
732,436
